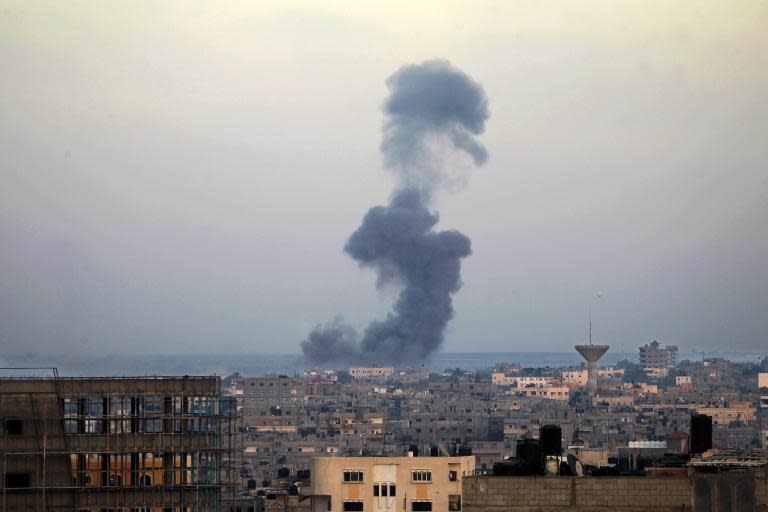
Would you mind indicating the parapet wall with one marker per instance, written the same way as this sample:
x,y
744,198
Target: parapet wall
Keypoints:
x,y
668,493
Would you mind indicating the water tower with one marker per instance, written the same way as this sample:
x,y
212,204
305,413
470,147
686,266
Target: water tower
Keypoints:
x,y
592,353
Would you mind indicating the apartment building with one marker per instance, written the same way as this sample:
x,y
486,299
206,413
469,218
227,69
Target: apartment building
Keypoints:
x,y
741,412
521,381
652,355
372,372
548,392
117,444
394,484
579,378
271,403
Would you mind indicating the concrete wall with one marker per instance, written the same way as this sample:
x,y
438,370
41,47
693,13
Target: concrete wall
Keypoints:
x,y
675,491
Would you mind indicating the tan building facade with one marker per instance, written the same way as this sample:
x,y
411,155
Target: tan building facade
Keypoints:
x,y
365,372
579,378
548,392
388,484
742,412
521,381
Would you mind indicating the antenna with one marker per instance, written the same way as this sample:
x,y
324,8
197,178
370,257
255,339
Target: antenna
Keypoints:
x,y
598,296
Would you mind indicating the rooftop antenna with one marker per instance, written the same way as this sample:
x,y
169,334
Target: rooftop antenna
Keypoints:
x,y
598,296
592,353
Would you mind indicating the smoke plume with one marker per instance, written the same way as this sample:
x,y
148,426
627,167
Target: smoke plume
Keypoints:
x,y
433,110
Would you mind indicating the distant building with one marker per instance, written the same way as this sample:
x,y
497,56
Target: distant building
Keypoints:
x,y
548,392
762,380
740,412
368,484
652,355
96,444
575,378
657,372
683,380
672,355
371,372
579,378
521,381
271,403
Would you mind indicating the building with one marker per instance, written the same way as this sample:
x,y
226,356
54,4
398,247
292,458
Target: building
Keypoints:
x,y
548,392
665,490
716,481
368,484
271,403
579,378
117,444
672,355
683,380
652,355
738,412
520,381
372,372
762,380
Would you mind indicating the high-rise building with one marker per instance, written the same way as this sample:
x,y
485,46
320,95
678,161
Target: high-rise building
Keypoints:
x,y
652,355
271,403
117,444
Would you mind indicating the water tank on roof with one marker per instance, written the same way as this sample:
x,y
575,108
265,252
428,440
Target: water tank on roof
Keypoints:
x,y
701,433
551,440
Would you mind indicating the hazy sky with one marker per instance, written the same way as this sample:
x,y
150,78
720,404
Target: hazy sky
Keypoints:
x,y
184,175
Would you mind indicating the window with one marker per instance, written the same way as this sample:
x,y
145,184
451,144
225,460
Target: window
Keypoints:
x,y
383,490
392,490
452,476
353,476
17,480
454,502
421,506
375,490
353,506
421,476
14,427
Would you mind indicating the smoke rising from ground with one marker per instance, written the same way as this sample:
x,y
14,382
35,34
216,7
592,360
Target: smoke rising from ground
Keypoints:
x,y
433,110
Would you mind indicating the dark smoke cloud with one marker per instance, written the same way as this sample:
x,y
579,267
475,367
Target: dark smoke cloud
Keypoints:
x,y
432,106
333,341
400,237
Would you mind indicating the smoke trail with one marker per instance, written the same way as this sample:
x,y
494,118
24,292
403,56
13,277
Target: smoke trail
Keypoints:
x,y
432,108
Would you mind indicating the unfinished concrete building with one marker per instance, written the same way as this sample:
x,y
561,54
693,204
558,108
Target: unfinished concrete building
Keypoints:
x,y
117,444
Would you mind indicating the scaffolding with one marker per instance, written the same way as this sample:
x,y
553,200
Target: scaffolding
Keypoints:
x,y
128,444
